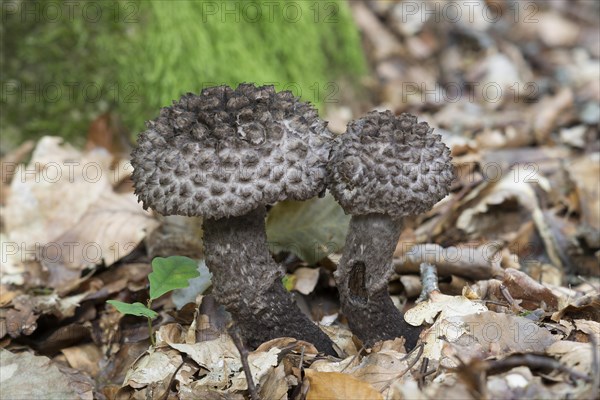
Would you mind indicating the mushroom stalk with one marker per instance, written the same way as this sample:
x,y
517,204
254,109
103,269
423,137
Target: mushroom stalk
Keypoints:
x,y
247,282
362,279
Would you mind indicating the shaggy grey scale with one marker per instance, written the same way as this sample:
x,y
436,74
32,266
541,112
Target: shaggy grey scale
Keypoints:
x,y
225,152
389,165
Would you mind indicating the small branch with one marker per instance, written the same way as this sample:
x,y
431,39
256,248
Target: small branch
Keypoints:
x,y
511,301
411,364
165,395
237,340
467,262
532,361
422,374
429,280
595,366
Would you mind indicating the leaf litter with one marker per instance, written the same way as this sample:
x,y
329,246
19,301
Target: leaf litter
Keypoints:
x,y
516,244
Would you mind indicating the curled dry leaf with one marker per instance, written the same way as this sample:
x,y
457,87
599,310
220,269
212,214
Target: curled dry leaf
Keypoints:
x,y
219,358
523,287
154,368
586,307
21,318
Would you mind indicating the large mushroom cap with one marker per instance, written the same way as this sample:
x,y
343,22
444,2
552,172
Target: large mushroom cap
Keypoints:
x,y
389,165
226,152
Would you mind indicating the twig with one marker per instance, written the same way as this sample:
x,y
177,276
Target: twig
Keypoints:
x,y
423,373
410,365
517,308
301,359
237,340
354,358
594,286
595,367
429,281
532,361
165,395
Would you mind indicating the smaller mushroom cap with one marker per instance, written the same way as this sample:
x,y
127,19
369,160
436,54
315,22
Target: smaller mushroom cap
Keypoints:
x,y
226,152
389,165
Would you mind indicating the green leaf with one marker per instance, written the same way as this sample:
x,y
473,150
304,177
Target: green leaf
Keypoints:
x,y
171,273
289,282
137,309
310,229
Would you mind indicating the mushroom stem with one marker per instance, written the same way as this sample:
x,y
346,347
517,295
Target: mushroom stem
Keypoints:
x,y
247,282
362,279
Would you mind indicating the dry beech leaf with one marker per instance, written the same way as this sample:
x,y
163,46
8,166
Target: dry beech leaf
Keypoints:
x,y
462,260
44,205
443,330
515,185
501,333
586,307
274,384
522,287
448,306
221,358
306,279
154,367
25,376
85,357
63,209
261,364
591,328
584,173
337,386
114,224
574,355
381,368
22,318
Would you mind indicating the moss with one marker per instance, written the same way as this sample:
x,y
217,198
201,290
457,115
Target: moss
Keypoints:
x,y
143,54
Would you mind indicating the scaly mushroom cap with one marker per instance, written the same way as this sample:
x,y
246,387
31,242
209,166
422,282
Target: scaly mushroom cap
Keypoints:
x,y
389,165
226,152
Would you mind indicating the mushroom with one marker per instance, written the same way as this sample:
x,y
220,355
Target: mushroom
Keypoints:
x,y
224,155
382,169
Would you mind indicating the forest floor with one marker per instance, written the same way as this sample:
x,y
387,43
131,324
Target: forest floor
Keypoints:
x,y
514,90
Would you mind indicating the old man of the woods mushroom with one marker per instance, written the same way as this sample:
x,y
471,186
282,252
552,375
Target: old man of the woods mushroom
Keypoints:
x,y
224,155
382,169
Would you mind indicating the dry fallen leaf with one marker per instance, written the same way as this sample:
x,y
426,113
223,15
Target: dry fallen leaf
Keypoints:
x,y
62,211
25,376
337,386
306,279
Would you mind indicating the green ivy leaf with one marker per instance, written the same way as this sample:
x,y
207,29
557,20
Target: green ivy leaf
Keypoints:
x,y
137,309
171,273
310,229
